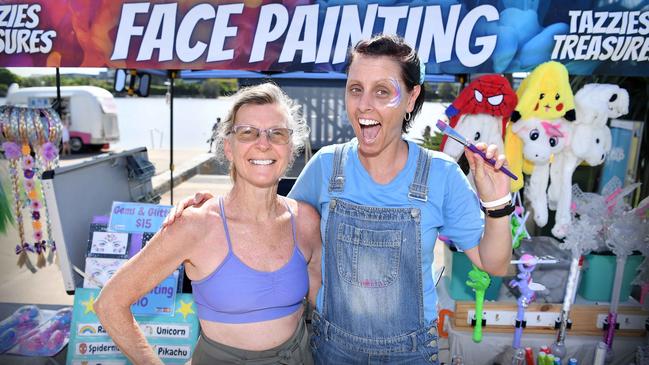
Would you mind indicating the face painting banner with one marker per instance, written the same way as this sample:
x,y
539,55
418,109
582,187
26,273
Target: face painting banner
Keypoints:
x,y
462,36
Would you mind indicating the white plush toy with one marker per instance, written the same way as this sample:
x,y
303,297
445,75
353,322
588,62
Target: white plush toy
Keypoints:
x,y
594,104
541,139
476,128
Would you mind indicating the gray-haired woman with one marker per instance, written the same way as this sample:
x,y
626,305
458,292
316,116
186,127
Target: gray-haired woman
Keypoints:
x,y
252,255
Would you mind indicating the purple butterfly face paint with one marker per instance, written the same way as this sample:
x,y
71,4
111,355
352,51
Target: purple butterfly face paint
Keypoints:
x,y
394,102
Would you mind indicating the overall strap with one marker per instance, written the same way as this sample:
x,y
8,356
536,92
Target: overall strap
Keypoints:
x,y
337,181
225,224
419,187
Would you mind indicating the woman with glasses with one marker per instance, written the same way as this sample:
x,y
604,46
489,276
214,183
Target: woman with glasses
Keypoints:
x,y
252,255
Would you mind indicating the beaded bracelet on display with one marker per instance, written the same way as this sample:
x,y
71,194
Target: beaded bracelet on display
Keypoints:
x,y
27,133
11,130
30,170
48,160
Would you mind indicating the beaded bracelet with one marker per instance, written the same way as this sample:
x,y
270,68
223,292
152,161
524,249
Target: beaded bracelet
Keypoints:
x,y
12,131
30,137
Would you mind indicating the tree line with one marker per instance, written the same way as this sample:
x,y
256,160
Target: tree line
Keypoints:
x,y
208,88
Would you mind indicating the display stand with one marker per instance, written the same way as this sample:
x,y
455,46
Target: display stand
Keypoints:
x,y
495,346
587,319
75,194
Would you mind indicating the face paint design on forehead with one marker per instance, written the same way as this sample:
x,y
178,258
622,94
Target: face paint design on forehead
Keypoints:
x,y
394,102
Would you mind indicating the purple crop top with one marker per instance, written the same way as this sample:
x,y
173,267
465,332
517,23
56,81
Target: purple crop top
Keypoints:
x,y
237,293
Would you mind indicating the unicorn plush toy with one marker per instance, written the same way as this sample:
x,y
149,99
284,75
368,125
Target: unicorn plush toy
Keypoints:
x,y
541,139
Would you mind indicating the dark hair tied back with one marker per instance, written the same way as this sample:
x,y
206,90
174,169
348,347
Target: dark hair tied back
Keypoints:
x,y
394,46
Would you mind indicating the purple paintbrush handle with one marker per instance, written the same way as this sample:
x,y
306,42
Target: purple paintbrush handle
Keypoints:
x,y
610,331
491,161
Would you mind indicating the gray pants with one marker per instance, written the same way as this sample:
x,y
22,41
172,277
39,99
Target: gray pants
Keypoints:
x,y
295,351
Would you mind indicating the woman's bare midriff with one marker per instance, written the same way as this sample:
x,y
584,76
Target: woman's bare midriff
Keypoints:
x,y
257,336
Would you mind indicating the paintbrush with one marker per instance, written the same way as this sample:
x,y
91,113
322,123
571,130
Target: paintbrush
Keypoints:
x,y
452,133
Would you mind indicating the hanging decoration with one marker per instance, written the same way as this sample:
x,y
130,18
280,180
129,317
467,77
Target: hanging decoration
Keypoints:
x,y
47,133
30,137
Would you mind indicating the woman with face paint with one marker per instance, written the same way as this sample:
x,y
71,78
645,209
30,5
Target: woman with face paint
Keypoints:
x,y
383,202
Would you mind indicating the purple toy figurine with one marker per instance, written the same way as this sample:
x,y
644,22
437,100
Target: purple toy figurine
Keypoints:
x,y
23,320
49,338
526,265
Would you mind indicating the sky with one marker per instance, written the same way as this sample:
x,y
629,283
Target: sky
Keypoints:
x,y
31,71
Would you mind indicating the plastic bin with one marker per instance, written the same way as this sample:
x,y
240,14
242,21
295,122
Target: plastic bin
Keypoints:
x,y
459,265
598,275
139,168
553,276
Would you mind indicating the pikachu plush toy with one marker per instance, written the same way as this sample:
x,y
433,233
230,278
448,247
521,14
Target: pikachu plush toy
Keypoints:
x,y
544,94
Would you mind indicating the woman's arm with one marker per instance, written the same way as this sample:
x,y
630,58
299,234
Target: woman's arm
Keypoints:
x,y
495,249
157,260
309,234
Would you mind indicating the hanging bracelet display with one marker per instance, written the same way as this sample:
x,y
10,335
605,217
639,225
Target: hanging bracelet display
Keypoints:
x,y
30,138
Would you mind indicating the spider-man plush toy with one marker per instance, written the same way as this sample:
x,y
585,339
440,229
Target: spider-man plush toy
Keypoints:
x,y
488,94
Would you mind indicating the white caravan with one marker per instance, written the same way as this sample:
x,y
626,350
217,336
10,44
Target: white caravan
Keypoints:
x,y
92,112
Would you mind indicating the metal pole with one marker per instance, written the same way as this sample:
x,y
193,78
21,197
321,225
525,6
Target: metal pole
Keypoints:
x,y
58,92
172,76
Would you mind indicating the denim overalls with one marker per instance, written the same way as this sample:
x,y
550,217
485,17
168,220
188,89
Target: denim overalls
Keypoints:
x,y
372,310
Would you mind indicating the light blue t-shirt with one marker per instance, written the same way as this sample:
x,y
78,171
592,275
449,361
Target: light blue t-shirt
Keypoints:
x,y
452,208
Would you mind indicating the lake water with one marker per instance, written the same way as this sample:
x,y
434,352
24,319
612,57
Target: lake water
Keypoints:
x,y
145,121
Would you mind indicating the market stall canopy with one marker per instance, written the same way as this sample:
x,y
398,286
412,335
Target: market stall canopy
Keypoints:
x,y
588,36
297,75
311,75
220,74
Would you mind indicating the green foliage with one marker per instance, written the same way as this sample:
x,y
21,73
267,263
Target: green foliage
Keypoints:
x,y
447,91
228,86
209,88
7,77
5,211
431,141
158,90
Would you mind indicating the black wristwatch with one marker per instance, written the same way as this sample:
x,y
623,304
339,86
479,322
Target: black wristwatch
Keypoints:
x,y
499,213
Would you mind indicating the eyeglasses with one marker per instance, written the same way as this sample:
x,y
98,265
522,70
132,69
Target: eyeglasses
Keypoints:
x,y
248,133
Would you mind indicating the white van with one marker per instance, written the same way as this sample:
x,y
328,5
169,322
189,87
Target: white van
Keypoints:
x,y
92,112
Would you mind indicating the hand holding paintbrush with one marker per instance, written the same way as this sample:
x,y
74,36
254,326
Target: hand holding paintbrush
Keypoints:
x,y
493,187
452,133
